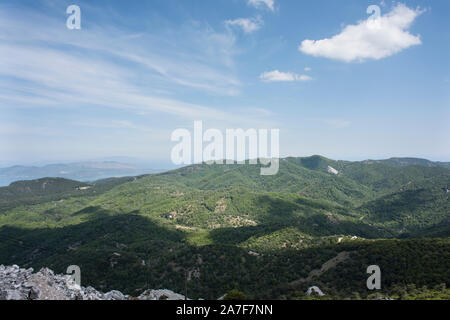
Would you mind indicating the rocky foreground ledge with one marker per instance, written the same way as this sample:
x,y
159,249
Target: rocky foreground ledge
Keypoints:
x,y
22,284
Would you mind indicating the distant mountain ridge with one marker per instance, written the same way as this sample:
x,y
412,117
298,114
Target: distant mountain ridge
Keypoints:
x,y
81,171
403,162
95,170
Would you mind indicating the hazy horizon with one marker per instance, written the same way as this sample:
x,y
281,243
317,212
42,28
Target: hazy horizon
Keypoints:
x,y
168,164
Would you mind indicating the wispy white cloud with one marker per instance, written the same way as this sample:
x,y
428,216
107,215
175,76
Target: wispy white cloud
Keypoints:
x,y
269,4
9,129
278,76
248,25
369,39
118,125
61,79
54,67
337,123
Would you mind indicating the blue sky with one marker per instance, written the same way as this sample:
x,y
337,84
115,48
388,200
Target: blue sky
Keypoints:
x,y
137,70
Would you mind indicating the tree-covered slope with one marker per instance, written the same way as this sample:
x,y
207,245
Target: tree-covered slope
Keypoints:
x,y
230,226
43,190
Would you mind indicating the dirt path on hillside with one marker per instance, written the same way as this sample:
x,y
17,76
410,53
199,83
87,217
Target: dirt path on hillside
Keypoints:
x,y
342,256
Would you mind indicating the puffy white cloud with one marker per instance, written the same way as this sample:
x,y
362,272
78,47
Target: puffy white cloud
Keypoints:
x,y
307,69
374,38
277,76
248,25
270,4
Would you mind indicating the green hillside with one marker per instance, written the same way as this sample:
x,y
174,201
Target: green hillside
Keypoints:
x,y
236,229
402,162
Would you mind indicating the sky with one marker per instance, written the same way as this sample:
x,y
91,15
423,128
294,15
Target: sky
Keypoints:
x,y
335,78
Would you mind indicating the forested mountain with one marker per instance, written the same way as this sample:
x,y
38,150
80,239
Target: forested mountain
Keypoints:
x,y
227,227
402,162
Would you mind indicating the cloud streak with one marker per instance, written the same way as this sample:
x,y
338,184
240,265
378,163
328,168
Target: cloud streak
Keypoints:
x,y
337,123
51,66
269,4
248,25
278,76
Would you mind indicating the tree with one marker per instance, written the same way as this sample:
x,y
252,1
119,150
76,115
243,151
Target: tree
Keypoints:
x,y
234,295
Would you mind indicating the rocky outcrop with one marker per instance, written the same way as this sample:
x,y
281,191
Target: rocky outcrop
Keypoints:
x,y
332,170
162,294
315,290
22,284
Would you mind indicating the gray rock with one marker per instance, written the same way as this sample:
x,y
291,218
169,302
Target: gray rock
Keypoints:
x,y
23,284
114,295
316,290
34,294
12,295
162,294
